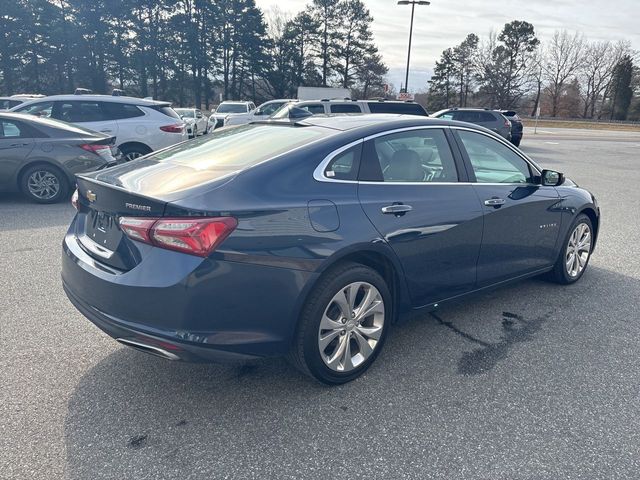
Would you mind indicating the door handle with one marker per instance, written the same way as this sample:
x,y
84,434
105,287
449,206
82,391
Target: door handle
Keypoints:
x,y
18,145
107,131
494,202
397,209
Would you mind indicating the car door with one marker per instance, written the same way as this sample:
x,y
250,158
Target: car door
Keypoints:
x,y
16,144
410,188
521,221
89,114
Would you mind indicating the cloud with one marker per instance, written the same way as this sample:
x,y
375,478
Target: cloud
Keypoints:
x,y
446,23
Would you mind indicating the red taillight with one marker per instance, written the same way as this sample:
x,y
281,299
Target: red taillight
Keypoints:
x,y
74,199
196,236
137,228
176,128
507,124
92,147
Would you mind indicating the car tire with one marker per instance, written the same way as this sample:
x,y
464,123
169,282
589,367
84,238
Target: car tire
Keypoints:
x,y
575,254
44,184
131,152
335,346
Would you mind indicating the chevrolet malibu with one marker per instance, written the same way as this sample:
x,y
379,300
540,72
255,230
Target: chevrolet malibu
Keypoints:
x,y
309,238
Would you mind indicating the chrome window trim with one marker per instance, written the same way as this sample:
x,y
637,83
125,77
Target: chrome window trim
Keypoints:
x,y
318,173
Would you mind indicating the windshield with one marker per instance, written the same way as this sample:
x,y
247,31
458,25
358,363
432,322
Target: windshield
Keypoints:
x,y
231,108
185,112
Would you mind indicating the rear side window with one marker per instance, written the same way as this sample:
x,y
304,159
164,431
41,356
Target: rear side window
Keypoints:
x,y
344,166
168,111
119,111
10,129
79,111
345,108
394,107
414,156
487,117
469,117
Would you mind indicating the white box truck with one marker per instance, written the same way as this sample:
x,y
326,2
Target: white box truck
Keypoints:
x,y
323,93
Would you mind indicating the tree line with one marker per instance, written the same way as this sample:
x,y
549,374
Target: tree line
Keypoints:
x,y
187,51
566,76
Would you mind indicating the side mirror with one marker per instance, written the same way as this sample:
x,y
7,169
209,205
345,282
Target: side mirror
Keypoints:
x,y
551,178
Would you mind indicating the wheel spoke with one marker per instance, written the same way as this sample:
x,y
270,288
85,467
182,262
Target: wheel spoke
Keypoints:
x,y
363,344
327,339
370,332
334,361
343,303
328,324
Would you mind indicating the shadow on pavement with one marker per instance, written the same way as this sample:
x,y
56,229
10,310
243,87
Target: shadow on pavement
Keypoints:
x,y
137,416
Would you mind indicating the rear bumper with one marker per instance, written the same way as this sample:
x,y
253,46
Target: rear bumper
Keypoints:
x,y
206,309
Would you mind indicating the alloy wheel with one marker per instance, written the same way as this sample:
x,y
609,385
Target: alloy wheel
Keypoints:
x,y
351,326
43,185
578,250
132,156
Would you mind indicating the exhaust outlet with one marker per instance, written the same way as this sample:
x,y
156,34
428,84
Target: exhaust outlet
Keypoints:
x,y
146,348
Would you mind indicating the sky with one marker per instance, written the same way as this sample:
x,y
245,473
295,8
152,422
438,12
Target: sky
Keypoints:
x,y
445,23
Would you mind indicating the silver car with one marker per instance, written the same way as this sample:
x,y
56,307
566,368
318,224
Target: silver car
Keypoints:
x,y
40,157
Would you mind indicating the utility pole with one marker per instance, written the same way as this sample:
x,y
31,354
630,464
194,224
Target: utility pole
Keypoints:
x,y
413,4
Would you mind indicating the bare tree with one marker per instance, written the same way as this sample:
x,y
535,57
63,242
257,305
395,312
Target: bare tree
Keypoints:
x,y
563,61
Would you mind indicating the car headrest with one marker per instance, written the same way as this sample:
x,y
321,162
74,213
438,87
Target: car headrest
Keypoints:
x,y
405,166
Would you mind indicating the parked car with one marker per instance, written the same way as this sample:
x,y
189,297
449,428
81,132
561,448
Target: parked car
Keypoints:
x,y
139,125
517,128
309,239
227,110
7,103
40,157
196,122
490,119
263,112
327,107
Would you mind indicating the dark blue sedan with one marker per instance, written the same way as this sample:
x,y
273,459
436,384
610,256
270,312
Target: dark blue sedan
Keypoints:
x,y
308,238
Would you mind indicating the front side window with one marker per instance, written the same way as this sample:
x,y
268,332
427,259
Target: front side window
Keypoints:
x,y
414,156
79,111
40,109
493,162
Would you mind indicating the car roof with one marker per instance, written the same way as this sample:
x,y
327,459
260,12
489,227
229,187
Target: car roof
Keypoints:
x,y
235,102
142,102
376,121
49,123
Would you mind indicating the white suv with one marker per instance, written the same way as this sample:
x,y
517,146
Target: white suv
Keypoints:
x,y
139,125
227,110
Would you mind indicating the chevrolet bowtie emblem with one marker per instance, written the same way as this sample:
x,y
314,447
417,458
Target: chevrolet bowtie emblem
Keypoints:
x,y
91,196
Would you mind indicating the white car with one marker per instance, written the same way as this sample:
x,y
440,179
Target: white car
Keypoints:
x,y
139,125
7,103
195,120
227,110
263,112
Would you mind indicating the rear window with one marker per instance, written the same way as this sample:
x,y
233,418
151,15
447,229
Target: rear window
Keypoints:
x,y
401,108
119,111
232,108
231,149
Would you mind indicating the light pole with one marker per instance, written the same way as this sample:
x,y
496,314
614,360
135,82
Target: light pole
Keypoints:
x,y
413,4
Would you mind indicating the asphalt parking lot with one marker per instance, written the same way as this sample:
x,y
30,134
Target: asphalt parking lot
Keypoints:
x,y
534,381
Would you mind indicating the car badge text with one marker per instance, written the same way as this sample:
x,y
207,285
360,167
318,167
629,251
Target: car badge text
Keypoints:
x,y
135,206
